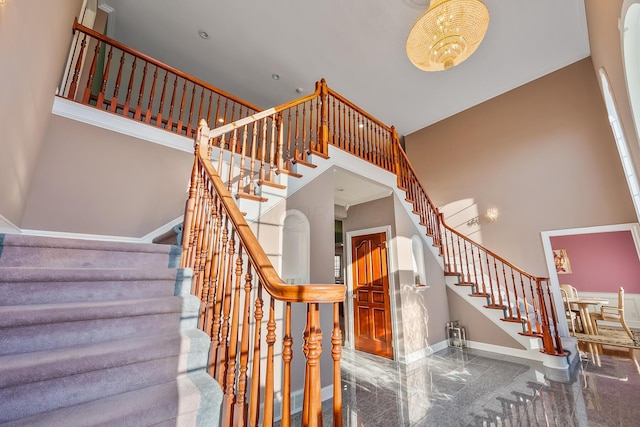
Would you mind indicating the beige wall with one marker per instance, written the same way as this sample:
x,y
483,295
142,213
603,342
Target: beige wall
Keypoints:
x,y
90,180
34,43
424,311
543,154
477,326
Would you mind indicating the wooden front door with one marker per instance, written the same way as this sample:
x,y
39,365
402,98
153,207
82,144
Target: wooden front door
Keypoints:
x,y
371,301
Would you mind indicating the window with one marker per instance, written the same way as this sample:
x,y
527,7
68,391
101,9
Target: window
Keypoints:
x,y
621,142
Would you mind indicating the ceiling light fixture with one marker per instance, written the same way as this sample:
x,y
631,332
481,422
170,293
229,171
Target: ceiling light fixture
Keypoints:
x,y
203,34
447,34
275,76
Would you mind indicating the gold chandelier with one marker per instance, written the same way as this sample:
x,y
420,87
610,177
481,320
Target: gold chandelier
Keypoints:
x,y
447,34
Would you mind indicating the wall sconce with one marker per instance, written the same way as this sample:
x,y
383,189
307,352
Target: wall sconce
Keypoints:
x,y
492,214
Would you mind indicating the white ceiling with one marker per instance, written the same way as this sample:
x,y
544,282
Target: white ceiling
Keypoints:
x,y
358,46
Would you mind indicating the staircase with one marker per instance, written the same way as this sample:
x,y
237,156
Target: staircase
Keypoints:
x,y
100,333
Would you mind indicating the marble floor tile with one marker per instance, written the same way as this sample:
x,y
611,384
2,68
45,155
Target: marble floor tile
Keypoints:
x,y
466,387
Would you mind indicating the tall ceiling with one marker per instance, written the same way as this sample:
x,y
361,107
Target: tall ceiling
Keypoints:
x,y
358,46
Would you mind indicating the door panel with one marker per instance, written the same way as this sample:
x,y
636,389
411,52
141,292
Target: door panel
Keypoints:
x,y
372,309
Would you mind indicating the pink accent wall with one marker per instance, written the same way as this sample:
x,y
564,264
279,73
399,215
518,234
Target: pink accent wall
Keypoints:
x,y
601,262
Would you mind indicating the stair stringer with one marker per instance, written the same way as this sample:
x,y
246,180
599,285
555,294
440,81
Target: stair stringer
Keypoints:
x,y
532,345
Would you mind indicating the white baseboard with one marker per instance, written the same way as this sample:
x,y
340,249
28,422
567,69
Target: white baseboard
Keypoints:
x,y
422,353
148,238
8,227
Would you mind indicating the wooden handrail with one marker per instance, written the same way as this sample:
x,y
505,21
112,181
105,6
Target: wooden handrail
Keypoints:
x,y
355,107
493,254
79,27
274,285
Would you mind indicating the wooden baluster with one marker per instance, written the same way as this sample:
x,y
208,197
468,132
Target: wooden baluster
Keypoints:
x,y
323,123
307,379
190,116
304,147
507,293
199,255
349,132
272,151
313,400
229,391
497,276
280,143
199,116
138,113
475,272
224,116
105,77
216,337
116,90
181,111
240,409
76,71
161,109
232,143
296,151
214,267
87,90
484,286
152,95
252,162
343,121
254,400
290,154
526,306
373,144
492,302
269,380
223,349
263,149
218,122
243,153
127,101
173,103
547,341
233,111
515,295
207,280
331,118
209,108
336,354
537,321
287,355
459,257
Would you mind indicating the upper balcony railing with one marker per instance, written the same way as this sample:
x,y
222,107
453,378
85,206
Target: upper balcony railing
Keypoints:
x,y
110,76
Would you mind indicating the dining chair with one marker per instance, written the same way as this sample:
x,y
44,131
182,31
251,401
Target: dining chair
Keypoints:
x,y
571,316
572,292
609,313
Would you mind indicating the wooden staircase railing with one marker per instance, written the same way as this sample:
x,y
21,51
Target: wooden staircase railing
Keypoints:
x,y
237,284
106,74
257,146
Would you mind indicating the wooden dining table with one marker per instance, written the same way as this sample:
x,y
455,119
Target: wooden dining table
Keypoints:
x,y
583,304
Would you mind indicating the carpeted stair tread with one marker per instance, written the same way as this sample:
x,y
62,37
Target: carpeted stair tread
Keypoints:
x,y
35,314
35,251
152,405
21,285
59,243
40,366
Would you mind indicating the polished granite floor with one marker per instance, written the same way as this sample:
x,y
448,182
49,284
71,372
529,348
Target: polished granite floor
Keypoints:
x,y
468,387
